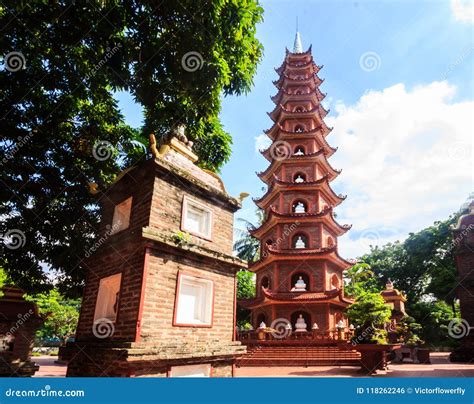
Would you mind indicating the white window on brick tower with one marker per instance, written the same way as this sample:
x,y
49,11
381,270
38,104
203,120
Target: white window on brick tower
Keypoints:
x,y
197,218
194,301
121,219
201,370
106,306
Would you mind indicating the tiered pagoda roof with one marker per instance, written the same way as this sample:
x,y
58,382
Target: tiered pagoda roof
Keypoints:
x,y
335,296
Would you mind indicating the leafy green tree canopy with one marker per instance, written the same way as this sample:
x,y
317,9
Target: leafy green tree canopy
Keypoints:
x,y
60,123
61,315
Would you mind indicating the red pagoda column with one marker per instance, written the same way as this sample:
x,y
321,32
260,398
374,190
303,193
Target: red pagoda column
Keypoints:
x,y
299,273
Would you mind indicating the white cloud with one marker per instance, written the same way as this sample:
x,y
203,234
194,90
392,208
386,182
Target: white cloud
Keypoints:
x,y
262,142
463,10
406,159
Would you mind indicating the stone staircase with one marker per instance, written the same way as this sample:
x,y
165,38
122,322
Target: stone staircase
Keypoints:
x,y
299,355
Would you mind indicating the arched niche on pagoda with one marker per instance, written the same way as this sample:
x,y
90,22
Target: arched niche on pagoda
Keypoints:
x,y
330,241
299,150
299,108
299,206
266,282
306,316
268,243
305,276
298,128
261,318
300,241
335,281
299,177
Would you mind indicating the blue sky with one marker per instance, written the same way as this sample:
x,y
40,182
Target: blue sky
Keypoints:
x,y
404,128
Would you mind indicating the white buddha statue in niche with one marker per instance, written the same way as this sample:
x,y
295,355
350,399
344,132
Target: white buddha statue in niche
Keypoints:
x,y
300,243
300,324
299,208
315,326
340,325
299,179
300,286
262,325
299,152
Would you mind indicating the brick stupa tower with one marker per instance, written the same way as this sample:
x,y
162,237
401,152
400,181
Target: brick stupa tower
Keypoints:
x,y
159,298
299,273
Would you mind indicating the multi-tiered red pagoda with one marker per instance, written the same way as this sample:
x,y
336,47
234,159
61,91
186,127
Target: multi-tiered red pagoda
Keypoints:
x,y
299,273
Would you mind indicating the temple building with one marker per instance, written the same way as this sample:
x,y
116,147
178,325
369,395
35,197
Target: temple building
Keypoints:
x,y
160,290
299,274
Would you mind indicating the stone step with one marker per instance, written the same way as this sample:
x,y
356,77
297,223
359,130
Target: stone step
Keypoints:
x,y
302,362
299,356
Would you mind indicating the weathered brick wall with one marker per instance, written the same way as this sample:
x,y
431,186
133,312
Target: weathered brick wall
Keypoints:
x,y
166,212
138,184
159,306
126,258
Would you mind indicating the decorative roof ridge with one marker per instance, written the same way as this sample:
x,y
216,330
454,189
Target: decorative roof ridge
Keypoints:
x,y
274,212
292,157
308,111
283,91
302,54
310,131
318,181
322,213
313,76
302,251
295,65
323,294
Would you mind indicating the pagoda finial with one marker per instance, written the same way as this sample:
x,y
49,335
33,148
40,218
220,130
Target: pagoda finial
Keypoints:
x,y
297,47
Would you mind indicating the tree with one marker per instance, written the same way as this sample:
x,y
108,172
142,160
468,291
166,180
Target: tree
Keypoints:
x,y
423,264
369,313
3,280
408,330
360,279
245,290
245,285
434,318
247,246
62,129
61,315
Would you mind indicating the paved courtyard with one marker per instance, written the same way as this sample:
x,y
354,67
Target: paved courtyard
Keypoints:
x,y
440,367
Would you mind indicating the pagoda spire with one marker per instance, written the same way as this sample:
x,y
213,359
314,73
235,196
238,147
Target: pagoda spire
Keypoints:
x,y
298,46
